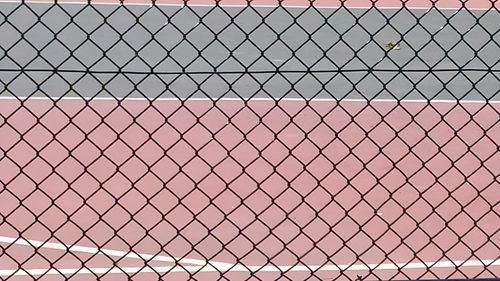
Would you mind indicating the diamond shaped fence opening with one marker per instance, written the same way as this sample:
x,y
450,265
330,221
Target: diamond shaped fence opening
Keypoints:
x,y
249,140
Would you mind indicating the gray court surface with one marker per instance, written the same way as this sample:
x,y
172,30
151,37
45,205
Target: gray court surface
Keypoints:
x,y
154,47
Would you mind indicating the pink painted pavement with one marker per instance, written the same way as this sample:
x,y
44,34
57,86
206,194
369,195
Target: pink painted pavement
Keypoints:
x,y
443,4
235,181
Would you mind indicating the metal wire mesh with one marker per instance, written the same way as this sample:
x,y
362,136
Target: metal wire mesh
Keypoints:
x,y
254,141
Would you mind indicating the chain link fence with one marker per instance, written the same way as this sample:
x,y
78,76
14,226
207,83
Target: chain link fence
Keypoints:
x,y
249,141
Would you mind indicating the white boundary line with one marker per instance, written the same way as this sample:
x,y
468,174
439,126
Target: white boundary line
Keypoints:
x,y
181,5
108,252
207,266
252,269
250,99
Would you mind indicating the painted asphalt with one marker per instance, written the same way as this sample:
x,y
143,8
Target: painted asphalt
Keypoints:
x,y
193,39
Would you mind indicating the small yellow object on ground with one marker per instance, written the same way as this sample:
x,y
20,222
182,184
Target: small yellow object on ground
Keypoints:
x,y
392,46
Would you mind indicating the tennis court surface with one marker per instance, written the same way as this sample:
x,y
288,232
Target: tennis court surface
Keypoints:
x,y
260,140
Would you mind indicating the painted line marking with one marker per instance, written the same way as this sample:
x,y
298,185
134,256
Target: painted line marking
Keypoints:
x,y
252,269
250,99
181,5
108,252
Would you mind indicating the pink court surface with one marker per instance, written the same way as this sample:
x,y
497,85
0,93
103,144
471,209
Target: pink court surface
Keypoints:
x,y
417,4
234,206
190,189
